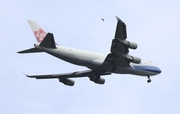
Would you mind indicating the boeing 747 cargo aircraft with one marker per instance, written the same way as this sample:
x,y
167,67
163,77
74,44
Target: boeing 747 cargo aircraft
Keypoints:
x,y
118,61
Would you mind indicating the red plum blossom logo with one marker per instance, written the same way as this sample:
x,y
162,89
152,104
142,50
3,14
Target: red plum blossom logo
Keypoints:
x,y
40,35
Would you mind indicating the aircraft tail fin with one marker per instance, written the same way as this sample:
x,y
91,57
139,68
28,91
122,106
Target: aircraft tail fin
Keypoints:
x,y
45,39
37,30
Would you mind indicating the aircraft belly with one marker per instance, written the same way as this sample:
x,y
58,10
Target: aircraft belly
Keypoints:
x,y
68,55
91,61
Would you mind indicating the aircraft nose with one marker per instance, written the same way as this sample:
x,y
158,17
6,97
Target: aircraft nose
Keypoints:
x,y
158,70
155,69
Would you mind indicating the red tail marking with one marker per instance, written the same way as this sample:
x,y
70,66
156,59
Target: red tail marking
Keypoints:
x,y
40,35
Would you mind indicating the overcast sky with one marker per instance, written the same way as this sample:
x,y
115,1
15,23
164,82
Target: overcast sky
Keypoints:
x,y
154,25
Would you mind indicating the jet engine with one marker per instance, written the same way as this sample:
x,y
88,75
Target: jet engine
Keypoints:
x,y
134,59
98,81
130,45
67,82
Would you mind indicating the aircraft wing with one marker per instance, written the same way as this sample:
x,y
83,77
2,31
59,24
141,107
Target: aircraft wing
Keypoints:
x,y
118,48
86,73
120,36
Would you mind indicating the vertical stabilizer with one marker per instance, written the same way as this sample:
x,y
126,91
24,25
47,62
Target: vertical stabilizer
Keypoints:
x,y
38,31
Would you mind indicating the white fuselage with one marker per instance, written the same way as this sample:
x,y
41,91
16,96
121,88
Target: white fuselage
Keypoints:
x,y
94,60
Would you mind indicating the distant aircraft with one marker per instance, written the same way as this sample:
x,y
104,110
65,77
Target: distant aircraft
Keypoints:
x,y
118,61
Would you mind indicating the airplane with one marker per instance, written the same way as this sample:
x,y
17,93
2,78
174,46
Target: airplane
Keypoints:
x,y
118,61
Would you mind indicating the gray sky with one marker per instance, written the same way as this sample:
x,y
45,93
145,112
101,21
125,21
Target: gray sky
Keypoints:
x,y
154,25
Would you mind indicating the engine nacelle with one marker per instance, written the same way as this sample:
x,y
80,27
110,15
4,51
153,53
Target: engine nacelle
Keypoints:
x,y
67,82
131,45
98,81
134,59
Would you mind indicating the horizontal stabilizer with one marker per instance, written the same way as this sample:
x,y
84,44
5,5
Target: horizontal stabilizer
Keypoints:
x,y
31,50
48,41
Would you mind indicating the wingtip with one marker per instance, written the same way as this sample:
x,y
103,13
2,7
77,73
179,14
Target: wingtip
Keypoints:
x,y
20,52
118,19
25,74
